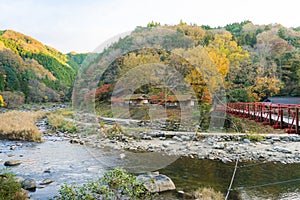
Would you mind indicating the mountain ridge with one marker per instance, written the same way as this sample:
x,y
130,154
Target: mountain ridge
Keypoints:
x,y
33,71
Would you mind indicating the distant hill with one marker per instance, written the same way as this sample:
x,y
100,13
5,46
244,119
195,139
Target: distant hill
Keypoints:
x,y
34,71
252,61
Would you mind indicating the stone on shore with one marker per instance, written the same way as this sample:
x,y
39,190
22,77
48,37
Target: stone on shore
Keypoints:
x,y
156,182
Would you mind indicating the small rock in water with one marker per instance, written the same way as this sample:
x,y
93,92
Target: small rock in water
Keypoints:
x,y
12,147
29,184
47,171
46,181
153,173
12,163
201,157
226,160
19,144
184,195
122,155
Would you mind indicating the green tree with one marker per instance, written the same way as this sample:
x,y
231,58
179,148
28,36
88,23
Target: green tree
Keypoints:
x,y
2,81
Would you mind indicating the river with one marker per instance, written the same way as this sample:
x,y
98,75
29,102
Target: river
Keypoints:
x,y
74,163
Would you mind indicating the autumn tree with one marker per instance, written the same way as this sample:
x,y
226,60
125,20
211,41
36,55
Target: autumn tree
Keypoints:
x,y
1,101
203,77
227,55
103,93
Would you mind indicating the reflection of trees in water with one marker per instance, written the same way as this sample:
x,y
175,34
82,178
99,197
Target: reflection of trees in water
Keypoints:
x,y
190,174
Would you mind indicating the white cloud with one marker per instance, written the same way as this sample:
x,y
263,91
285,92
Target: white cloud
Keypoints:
x,y
83,25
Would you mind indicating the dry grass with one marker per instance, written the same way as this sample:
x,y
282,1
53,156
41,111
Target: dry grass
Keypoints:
x,y
17,125
208,194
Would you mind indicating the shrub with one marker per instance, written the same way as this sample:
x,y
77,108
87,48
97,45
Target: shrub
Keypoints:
x,y
9,188
13,99
58,120
236,124
115,184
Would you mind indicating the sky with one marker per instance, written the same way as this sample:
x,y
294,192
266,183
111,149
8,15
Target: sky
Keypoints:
x,y
83,25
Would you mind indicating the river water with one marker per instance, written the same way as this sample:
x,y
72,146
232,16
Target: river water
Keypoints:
x,y
74,163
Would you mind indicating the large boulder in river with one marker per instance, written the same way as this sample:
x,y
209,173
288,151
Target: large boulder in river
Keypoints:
x,y
29,184
156,182
12,163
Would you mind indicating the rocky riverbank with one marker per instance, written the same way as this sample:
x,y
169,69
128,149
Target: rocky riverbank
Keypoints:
x,y
212,146
41,174
282,148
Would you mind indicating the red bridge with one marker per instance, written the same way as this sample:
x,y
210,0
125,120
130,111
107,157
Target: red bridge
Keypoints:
x,y
279,116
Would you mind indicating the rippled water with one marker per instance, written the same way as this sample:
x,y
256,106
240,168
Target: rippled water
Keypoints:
x,y
74,163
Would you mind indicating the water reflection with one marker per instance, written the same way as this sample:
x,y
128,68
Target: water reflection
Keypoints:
x,y
190,174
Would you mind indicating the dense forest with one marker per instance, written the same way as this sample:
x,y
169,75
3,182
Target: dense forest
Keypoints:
x,y
252,61
33,72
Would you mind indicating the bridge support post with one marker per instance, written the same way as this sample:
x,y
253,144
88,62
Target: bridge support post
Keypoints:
x,y
254,111
281,118
261,113
249,113
270,115
297,120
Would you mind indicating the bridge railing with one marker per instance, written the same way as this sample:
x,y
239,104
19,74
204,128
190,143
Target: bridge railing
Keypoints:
x,y
279,116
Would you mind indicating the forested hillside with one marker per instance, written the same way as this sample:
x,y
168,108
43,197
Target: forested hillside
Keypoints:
x,y
275,56
253,61
33,72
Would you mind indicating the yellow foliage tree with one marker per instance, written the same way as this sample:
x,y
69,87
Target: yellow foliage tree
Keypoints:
x,y
265,87
1,101
227,54
204,78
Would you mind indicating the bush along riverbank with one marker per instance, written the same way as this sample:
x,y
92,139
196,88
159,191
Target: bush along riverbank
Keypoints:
x,y
118,184
10,187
